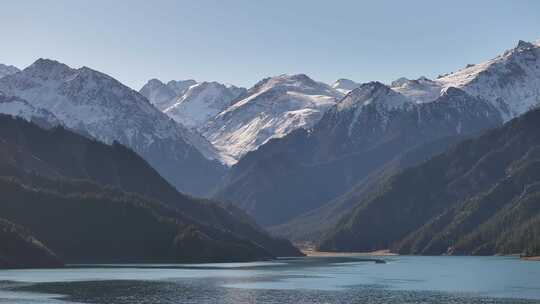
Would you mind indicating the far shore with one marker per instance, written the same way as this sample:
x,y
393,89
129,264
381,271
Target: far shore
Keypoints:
x,y
532,258
314,253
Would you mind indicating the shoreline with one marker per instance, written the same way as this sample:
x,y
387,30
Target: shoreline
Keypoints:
x,y
531,258
314,253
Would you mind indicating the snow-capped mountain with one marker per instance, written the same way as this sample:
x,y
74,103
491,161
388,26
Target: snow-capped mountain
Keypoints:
x,y
417,90
15,106
345,85
511,81
180,86
374,115
373,125
363,132
271,109
163,95
189,102
95,104
7,70
380,97
374,93
201,102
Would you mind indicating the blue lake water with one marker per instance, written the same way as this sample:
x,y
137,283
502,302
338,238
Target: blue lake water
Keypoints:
x,y
403,279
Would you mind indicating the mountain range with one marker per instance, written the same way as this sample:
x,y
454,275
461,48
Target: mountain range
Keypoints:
x,y
333,165
236,120
286,181
6,70
96,105
189,102
479,197
370,127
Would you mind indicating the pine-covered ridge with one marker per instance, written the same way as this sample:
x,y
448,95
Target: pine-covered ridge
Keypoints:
x,y
480,197
66,176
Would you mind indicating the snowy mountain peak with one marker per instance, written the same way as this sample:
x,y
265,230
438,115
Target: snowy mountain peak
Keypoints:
x,y
371,87
158,93
95,104
294,79
272,108
201,102
372,93
154,82
48,69
345,85
180,86
296,83
524,45
399,82
283,79
511,81
77,96
7,70
418,90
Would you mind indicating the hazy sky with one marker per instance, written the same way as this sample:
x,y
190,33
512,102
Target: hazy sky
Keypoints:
x,y
240,42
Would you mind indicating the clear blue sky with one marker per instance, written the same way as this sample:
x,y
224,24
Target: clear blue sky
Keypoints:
x,y
240,42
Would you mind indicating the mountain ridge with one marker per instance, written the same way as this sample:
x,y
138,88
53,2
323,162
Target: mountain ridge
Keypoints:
x,y
480,197
369,127
272,108
61,167
476,98
97,105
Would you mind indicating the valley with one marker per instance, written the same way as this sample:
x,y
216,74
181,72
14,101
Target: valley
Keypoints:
x,y
344,167
269,152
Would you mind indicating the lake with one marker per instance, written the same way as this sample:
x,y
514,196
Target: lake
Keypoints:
x,y
402,279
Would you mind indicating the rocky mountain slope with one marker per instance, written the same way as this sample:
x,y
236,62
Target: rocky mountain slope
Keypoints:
x,y
189,102
510,81
163,95
272,108
99,106
15,106
345,85
7,70
480,197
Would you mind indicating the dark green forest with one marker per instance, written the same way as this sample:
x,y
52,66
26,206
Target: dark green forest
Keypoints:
x,y
480,197
89,202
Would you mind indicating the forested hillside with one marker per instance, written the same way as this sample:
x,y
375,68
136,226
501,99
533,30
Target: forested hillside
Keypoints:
x,y
480,197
